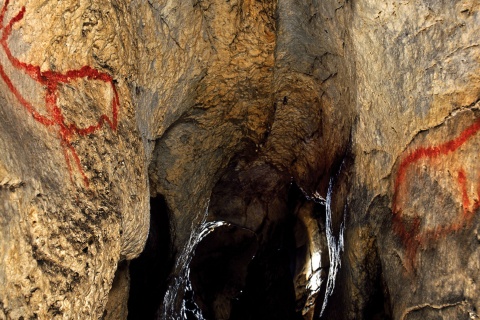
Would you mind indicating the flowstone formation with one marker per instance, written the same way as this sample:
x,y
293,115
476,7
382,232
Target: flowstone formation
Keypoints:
x,y
241,159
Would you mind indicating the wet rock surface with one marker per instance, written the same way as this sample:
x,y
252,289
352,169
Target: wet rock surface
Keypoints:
x,y
239,159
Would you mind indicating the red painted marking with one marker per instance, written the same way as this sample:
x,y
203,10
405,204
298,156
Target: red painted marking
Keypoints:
x,y
409,231
51,80
462,182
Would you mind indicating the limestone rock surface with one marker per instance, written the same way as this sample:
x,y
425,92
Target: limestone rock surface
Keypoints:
x,y
241,159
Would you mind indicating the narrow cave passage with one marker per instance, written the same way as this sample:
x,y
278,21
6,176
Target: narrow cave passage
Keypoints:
x,y
269,287
239,273
149,272
264,283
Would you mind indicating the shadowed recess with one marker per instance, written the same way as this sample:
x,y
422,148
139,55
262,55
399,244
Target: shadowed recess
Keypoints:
x,y
149,272
219,269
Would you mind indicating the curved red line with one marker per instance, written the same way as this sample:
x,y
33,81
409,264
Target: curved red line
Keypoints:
x,y
36,115
462,181
2,13
412,238
33,71
432,152
51,80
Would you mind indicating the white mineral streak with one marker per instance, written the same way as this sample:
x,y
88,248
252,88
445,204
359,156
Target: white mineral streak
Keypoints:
x,y
183,278
335,247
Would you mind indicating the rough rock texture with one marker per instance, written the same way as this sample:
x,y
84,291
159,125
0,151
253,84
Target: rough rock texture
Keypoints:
x,y
415,191
298,159
73,178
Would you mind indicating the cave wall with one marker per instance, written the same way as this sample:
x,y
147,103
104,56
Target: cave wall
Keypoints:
x,y
74,183
265,115
416,180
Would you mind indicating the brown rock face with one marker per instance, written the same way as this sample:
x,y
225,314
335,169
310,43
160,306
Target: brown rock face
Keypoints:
x,y
74,184
266,159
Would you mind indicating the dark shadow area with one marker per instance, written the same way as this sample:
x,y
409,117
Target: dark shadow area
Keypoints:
x,y
149,272
269,291
229,283
378,305
218,269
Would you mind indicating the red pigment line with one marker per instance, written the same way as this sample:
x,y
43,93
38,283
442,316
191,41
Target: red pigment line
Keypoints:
x,y
67,160
103,118
84,72
468,212
79,164
462,181
55,112
457,224
48,76
51,80
8,28
2,14
37,116
66,146
411,236
115,106
33,71
477,202
64,134
440,231
432,152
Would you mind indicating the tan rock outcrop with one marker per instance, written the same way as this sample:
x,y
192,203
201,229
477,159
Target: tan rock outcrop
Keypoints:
x,y
74,182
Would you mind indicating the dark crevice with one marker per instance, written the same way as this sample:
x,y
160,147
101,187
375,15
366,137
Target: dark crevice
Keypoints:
x,y
269,291
251,266
378,304
149,272
219,268
245,271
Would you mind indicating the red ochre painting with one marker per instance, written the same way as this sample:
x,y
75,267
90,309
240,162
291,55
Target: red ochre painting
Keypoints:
x,y
464,189
50,81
